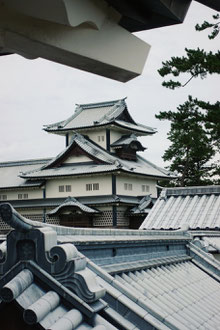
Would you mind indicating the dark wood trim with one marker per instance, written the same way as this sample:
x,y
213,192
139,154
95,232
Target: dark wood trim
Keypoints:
x,y
44,216
107,139
67,139
114,184
114,216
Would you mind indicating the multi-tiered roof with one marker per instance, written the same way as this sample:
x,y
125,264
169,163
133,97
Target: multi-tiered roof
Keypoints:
x,y
97,115
113,115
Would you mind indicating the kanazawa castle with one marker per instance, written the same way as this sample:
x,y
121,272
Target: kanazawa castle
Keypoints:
x,y
99,179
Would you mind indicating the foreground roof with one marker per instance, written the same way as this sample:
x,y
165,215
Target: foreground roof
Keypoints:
x,y
101,114
101,162
198,207
138,279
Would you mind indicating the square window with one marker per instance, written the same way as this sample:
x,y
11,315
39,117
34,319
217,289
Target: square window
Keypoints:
x,y
19,196
25,196
61,188
101,138
145,188
95,186
88,186
3,197
68,188
127,186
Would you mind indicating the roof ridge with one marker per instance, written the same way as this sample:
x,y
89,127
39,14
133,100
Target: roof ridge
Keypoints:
x,y
163,170
100,104
118,107
24,162
194,190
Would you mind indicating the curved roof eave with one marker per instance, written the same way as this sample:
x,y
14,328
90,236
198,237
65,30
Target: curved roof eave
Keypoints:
x,y
138,130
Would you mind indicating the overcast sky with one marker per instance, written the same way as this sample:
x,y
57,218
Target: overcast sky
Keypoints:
x,y
39,92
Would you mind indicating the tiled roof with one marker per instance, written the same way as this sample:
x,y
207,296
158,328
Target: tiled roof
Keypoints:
x,y
170,288
198,207
126,140
140,167
9,173
45,307
212,243
73,202
90,201
143,207
140,279
183,295
99,114
110,163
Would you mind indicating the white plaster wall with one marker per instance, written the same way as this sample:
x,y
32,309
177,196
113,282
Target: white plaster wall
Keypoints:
x,y
79,186
93,135
136,186
115,135
32,194
77,159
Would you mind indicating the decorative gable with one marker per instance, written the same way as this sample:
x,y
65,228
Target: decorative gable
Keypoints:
x,y
127,146
76,152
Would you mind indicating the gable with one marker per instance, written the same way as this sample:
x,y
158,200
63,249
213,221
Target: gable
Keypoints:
x,y
73,154
125,116
77,158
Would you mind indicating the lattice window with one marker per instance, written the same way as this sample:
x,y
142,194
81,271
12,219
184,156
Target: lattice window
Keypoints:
x,y
61,188
145,188
92,186
101,138
3,197
68,188
128,186
88,186
95,186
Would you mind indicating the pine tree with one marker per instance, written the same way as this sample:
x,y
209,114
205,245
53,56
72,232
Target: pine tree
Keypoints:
x,y
191,147
195,126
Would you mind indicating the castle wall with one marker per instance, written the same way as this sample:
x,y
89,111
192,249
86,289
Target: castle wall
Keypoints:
x,y
20,194
133,186
79,186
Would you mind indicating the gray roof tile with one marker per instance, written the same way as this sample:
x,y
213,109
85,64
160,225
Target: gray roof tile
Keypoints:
x,y
199,207
110,163
182,291
98,114
72,202
10,171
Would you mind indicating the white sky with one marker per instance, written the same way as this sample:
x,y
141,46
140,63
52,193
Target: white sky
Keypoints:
x,y
39,92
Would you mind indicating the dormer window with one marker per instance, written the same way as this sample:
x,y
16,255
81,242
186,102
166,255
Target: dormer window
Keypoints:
x,y
127,146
